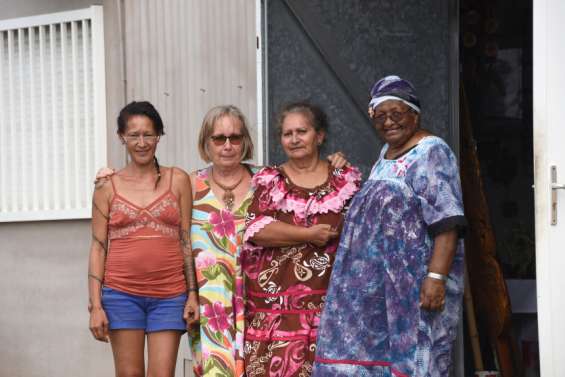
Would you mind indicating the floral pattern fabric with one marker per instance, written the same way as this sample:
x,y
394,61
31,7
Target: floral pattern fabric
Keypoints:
x,y
372,324
286,286
217,237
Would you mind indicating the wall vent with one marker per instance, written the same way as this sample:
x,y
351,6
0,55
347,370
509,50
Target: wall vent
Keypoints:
x,y
52,114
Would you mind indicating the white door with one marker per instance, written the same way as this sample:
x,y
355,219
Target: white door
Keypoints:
x,y
549,150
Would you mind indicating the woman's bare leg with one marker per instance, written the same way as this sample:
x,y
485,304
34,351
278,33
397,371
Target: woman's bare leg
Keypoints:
x,y
128,347
162,347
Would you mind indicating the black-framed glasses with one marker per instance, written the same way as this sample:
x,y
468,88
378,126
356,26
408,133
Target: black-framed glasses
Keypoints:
x,y
136,139
395,116
220,140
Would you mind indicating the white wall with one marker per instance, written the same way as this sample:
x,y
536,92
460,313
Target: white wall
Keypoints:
x,y
25,8
187,57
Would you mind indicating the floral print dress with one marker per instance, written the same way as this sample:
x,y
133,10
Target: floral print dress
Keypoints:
x,y
217,237
372,324
286,286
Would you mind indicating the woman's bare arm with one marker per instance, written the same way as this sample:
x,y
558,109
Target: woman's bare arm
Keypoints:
x,y
445,245
432,292
98,250
191,313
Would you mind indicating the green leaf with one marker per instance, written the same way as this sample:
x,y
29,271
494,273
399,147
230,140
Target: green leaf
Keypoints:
x,y
229,281
223,242
211,272
242,210
213,367
208,365
228,278
206,227
218,337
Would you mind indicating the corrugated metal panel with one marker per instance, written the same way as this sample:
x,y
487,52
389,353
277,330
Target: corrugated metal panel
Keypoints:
x,y
186,56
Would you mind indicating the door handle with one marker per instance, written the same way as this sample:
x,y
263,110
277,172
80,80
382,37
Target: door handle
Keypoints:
x,y
554,187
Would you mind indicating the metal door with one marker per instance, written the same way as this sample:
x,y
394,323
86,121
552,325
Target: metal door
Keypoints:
x,y
332,51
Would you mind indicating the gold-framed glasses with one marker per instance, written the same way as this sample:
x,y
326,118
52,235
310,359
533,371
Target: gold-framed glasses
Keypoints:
x,y
396,116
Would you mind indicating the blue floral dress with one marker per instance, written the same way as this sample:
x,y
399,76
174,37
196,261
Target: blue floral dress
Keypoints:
x,y
372,324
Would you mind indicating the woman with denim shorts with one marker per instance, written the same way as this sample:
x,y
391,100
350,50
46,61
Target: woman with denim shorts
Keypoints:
x,y
141,269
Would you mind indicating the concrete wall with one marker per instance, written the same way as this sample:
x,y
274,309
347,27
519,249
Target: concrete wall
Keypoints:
x,y
44,321
43,268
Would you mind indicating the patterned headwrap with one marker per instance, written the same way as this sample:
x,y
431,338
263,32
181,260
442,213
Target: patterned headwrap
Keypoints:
x,y
393,87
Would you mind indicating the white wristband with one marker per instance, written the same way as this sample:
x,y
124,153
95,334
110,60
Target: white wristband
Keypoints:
x,y
436,276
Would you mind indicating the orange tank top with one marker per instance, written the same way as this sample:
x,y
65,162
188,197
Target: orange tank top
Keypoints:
x,y
145,256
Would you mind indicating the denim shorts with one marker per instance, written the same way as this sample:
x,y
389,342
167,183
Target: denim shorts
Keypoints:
x,y
126,311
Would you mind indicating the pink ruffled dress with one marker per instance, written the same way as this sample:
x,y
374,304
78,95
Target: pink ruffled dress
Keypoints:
x,y
285,287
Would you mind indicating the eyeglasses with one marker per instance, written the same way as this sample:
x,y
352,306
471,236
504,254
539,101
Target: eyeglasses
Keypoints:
x,y
136,139
220,140
395,116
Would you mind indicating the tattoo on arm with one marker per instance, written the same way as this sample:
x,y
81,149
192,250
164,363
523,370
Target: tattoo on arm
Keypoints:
x,y
92,276
99,210
189,270
103,243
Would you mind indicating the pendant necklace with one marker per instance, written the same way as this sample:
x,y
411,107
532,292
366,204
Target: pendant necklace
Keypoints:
x,y
228,198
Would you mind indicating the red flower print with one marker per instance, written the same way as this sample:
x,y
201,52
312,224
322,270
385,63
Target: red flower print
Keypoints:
x,y
223,223
217,317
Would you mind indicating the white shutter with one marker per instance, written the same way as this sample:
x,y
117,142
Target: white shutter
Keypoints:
x,y
52,114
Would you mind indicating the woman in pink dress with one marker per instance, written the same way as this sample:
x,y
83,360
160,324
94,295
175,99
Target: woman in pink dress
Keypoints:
x,y
292,233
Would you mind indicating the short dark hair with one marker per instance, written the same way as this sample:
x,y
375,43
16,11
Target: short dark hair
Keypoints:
x,y
315,115
140,108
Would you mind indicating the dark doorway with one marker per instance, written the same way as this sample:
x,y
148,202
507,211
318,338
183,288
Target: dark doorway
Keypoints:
x,y
496,76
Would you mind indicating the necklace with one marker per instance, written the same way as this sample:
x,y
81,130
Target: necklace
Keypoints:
x,y
228,198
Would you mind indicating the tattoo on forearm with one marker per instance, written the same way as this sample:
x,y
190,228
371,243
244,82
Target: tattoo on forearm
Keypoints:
x,y
185,241
99,210
190,273
189,270
103,243
92,276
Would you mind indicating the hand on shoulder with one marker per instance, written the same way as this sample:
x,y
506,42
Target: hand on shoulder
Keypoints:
x,y
103,175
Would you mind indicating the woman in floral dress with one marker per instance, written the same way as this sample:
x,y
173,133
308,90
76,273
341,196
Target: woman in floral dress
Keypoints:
x,y
393,303
222,193
292,232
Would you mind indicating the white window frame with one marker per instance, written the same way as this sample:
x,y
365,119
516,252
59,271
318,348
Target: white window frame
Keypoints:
x,y
97,156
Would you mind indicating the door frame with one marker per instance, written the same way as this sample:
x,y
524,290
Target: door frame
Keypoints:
x,y
548,115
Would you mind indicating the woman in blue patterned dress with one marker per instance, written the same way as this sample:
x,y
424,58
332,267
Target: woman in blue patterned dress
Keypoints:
x,y
395,292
